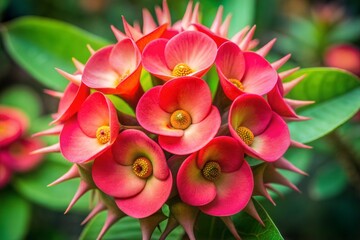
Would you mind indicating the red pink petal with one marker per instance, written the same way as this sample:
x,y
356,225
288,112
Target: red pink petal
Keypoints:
x,y
149,200
195,136
114,179
233,192
191,94
193,188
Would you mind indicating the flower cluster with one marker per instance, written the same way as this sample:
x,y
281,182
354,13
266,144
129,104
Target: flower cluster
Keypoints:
x,y
184,144
15,145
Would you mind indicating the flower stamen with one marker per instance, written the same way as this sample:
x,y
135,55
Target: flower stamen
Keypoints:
x,y
180,119
245,134
103,134
211,171
142,167
237,83
181,69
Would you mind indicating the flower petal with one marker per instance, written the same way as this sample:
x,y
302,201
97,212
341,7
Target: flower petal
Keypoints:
x,y
132,144
195,136
233,192
76,146
273,142
259,76
251,111
193,188
149,200
154,59
114,179
195,49
98,72
224,150
191,94
125,57
152,117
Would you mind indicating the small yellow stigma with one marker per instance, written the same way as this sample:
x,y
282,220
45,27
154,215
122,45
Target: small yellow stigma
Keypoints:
x,y
180,119
237,83
103,134
211,171
181,69
246,135
142,167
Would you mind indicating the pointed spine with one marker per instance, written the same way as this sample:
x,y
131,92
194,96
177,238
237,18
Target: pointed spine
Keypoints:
x,y
264,50
52,131
246,41
73,172
279,63
82,189
49,149
230,225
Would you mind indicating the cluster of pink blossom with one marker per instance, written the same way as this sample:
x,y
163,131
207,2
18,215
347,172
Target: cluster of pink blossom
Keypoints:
x,y
15,145
183,147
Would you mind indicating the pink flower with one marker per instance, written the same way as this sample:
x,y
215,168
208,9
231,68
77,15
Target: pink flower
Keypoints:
x,y
13,124
115,69
186,54
5,174
18,155
180,112
134,171
343,56
217,179
90,132
262,133
243,72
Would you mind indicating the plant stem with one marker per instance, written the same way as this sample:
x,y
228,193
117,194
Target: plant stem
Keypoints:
x,y
347,158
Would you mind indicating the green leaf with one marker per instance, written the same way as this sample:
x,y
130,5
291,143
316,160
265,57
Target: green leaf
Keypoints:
x,y
243,14
337,96
329,181
126,228
250,229
14,216
23,98
34,185
39,45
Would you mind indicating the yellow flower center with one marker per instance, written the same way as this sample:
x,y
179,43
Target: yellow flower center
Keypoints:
x,y
181,69
180,119
237,83
211,171
103,134
246,135
142,167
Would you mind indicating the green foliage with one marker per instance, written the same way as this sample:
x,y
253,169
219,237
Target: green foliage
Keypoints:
x,y
40,45
34,185
245,13
14,216
209,227
329,181
23,98
337,96
126,228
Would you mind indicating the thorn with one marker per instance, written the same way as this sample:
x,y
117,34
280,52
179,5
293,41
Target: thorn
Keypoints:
x,y
82,189
215,26
297,103
53,93
97,209
288,86
52,131
287,73
75,79
266,48
91,50
73,172
246,41
296,144
49,149
79,66
238,37
117,33
230,225
110,220
283,163
251,210
279,63
195,14
224,28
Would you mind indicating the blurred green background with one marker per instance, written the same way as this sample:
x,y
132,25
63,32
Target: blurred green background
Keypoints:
x,y
329,205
